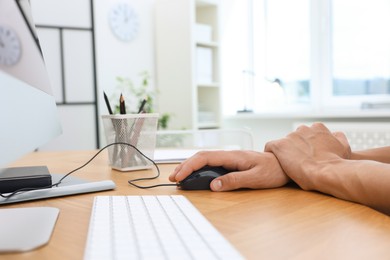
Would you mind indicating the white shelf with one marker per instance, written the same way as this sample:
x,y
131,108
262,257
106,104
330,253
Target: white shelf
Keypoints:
x,y
188,62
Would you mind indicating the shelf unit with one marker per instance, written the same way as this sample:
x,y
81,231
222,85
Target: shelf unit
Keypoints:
x,y
188,62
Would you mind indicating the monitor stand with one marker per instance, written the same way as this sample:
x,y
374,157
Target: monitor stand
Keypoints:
x,y
24,229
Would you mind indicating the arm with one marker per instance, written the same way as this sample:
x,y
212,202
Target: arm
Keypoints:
x,y
250,169
378,154
362,181
316,159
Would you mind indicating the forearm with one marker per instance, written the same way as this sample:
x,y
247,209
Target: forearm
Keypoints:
x,y
377,154
361,181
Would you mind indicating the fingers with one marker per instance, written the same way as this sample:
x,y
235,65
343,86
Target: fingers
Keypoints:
x,y
319,127
225,183
342,138
263,172
187,167
234,181
262,176
201,159
280,145
302,128
248,169
315,127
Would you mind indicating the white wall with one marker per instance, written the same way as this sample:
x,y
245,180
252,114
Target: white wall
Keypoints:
x,y
117,58
113,58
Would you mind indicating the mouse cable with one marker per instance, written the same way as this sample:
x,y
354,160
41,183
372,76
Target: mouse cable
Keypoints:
x,y
23,190
130,181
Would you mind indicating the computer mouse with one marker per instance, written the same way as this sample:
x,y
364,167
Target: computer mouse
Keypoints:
x,y
200,179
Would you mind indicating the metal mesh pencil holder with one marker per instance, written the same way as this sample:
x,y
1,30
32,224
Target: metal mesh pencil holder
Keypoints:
x,y
138,130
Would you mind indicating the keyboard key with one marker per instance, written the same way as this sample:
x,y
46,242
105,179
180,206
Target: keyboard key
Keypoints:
x,y
153,227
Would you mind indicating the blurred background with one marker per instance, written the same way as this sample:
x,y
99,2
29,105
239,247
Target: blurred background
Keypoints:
x,y
260,65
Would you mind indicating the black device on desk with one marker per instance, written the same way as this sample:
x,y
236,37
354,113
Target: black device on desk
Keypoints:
x,y
201,179
15,178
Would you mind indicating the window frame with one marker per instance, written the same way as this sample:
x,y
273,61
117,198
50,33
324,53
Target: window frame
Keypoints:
x,y
321,96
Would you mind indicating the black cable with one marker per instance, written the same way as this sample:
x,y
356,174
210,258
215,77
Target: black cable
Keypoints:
x,y
9,195
147,178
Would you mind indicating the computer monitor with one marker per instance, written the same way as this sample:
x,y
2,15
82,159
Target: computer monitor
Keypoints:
x,y
28,112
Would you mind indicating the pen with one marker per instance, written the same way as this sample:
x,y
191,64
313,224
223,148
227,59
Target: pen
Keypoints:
x,y
141,108
122,107
107,103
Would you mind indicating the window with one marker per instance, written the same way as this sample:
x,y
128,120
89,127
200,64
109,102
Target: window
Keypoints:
x,y
307,54
361,49
282,66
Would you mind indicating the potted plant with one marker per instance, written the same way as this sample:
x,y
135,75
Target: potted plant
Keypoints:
x,y
135,95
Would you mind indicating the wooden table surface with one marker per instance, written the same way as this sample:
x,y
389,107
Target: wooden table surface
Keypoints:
x,y
283,223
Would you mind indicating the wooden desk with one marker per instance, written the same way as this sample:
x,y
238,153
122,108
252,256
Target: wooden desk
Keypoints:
x,y
284,223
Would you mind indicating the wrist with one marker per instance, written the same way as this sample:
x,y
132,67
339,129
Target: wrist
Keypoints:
x,y
276,167
328,175
357,156
375,154
362,181
338,178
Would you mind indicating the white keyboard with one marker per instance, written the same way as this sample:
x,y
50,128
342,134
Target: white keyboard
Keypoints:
x,y
153,227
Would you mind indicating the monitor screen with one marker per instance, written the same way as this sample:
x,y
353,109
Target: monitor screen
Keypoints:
x,y
28,112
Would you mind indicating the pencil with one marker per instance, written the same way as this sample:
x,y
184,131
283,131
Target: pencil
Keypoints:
x,y
141,108
122,107
107,103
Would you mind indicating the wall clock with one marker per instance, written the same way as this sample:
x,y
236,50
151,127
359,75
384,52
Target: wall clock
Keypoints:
x,y
123,21
10,47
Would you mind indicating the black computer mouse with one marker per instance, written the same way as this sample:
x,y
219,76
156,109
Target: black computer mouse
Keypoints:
x,y
200,179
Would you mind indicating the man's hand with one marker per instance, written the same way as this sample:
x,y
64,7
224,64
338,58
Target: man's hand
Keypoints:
x,y
304,153
249,169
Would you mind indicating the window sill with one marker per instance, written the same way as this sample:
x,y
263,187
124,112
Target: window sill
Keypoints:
x,y
311,114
